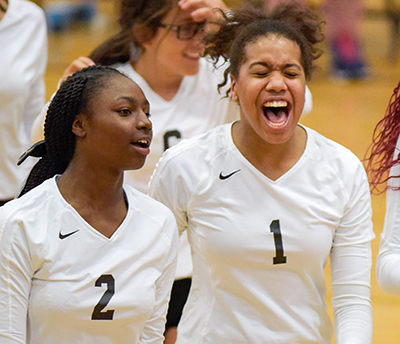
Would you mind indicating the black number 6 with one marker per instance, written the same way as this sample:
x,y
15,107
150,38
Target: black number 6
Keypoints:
x,y
105,299
276,230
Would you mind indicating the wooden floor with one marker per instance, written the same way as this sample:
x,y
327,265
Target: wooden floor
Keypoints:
x,y
344,112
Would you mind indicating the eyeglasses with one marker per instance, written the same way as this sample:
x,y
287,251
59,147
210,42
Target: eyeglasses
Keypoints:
x,y
185,32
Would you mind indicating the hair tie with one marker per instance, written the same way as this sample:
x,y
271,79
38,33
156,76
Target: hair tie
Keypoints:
x,y
37,150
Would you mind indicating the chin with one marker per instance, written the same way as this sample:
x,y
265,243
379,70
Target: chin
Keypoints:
x,y
192,70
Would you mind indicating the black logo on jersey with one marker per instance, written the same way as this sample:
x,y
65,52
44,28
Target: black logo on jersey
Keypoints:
x,y
222,177
63,236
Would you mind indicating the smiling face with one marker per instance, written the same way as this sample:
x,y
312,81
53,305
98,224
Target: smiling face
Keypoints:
x,y
270,89
117,132
170,54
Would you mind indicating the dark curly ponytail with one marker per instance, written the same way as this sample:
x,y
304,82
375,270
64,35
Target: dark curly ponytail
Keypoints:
x,y
239,28
72,98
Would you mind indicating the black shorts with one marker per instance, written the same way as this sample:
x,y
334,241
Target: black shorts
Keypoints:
x,y
179,295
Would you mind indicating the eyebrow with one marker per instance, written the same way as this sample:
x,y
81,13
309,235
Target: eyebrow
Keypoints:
x,y
288,65
134,100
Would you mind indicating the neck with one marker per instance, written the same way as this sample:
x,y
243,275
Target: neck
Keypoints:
x,y
273,160
162,82
100,189
98,197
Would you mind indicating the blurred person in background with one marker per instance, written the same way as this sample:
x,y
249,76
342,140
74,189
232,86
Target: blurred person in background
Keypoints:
x,y
343,34
23,59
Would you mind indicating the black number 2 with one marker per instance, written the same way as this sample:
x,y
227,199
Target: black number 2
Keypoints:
x,y
105,299
276,230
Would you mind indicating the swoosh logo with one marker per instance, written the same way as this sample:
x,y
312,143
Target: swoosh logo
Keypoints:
x,y
223,177
63,236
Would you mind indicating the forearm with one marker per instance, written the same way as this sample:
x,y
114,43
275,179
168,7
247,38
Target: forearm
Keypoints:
x,y
388,269
354,324
351,267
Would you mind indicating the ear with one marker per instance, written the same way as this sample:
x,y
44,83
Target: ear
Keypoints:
x,y
78,126
234,95
142,33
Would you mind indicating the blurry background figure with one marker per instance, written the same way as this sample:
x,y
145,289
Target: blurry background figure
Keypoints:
x,y
343,19
23,58
63,14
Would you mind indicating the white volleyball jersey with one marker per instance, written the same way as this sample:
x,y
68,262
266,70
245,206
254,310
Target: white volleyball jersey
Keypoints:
x,y
62,281
259,246
388,261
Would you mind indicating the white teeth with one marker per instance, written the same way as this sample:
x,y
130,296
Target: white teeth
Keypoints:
x,y
276,103
277,125
143,141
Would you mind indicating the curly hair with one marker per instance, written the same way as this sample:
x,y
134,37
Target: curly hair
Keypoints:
x,y
73,97
382,155
244,26
119,48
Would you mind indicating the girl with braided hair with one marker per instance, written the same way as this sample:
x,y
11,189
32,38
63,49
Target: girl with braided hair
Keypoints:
x,y
84,259
159,45
266,201
384,171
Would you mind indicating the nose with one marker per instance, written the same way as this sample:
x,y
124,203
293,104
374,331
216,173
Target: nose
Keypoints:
x,y
276,83
144,122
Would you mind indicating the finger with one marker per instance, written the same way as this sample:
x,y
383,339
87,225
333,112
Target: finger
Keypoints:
x,y
201,14
202,9
77,64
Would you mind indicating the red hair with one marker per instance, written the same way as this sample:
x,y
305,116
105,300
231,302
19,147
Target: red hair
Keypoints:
x,y
383,146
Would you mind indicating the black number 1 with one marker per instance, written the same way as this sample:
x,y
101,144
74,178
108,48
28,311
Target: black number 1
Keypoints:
x,y
276,230
105,299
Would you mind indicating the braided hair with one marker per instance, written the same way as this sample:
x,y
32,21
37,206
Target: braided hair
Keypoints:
x,y
382,150
73,97
126,45
237,29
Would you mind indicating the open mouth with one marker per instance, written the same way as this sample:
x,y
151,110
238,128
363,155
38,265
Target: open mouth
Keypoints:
x,y
142,143
276,112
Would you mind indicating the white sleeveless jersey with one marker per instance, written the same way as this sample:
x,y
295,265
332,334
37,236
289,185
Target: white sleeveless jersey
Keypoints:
x,y
61,281
259,246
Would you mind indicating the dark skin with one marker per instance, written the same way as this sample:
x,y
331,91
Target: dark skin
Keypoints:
x,y
92,182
